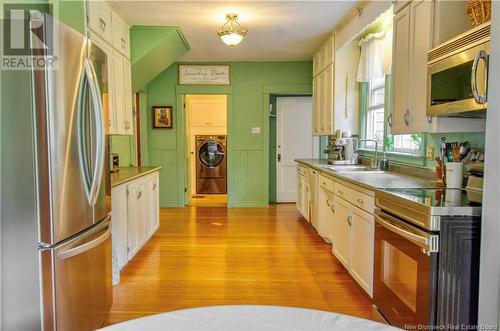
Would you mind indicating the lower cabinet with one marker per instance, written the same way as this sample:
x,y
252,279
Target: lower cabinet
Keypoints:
x,y
303,192
341,247
362,241
353,239
326,209
135,216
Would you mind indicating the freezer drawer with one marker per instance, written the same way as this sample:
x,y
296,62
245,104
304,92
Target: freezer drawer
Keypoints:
x,y
82,279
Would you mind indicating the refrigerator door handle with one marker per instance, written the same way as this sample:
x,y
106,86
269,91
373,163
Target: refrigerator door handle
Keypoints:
x,y
99,133
83,128
85,247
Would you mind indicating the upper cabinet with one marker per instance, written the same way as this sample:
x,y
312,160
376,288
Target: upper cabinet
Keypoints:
x,y
111,32
412,39
418,26
120,35
99,19
324,56
335,92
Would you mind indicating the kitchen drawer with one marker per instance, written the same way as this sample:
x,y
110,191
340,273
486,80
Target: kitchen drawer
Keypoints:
x,y
355,197
304,171
326,183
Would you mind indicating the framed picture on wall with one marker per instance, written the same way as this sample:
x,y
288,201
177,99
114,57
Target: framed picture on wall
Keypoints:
x,y
162,117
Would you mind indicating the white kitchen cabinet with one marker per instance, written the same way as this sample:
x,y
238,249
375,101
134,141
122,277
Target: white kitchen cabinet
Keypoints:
x,y
335,91
110,31
306,196
326,214
361,251
412,40
303,192
122,94
201,118
401,80
136,216
153,205
316,115
314,190
346,88
323,102
416,24
120,34
99,19
341,247
127,96
119,224
108,89
327,97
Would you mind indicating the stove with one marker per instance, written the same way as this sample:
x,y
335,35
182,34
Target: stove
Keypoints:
x,y
426,246
425,207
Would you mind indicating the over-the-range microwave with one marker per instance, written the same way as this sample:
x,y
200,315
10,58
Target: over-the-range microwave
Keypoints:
x,y
457,75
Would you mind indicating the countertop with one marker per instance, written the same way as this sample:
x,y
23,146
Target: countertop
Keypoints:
x,y
371,181
127,174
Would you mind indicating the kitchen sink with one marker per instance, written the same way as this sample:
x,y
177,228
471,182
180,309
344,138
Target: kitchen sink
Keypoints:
x,y
352,168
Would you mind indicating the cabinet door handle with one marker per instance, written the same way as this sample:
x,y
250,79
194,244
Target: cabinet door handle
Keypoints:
x,y
124,43
407,117
340,192
329,202
139,194
360,201
102,25
389,120
154,186
349,220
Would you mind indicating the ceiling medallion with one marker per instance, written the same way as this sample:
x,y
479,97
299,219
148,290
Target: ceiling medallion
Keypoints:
x,y
232,32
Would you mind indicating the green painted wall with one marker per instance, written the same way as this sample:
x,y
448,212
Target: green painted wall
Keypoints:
x,y
72,13
248,102
153,49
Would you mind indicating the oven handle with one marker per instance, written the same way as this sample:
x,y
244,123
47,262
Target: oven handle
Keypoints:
x,y
415,238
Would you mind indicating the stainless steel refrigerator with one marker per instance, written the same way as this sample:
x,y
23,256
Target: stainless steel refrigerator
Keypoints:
x,y
56,228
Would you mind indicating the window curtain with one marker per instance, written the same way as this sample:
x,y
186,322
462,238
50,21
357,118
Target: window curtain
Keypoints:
x,y
376,56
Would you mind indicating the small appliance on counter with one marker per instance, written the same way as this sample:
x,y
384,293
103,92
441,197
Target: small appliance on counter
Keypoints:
x,y
114,162
342,149
427,244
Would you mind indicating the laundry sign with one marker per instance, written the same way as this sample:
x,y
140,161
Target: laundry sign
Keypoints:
x,y
195,74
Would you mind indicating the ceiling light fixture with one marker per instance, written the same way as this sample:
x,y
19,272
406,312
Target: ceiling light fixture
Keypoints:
x,y
232,32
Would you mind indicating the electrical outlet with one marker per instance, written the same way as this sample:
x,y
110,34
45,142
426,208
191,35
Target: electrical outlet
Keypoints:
x,y
255,130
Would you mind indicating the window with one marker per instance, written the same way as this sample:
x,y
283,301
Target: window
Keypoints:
x,y
375,124
375,113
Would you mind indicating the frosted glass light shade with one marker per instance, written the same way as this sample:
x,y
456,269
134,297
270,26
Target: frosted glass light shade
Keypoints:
x,y
232,39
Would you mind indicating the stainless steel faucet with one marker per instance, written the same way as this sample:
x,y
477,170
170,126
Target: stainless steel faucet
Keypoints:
x,y
374,164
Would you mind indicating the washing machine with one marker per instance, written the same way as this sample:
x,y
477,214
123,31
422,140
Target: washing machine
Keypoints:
x,y
211,165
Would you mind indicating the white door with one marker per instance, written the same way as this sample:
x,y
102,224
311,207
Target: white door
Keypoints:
x,y
294,140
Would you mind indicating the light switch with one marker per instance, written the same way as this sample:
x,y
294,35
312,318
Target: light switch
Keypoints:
x,y
256,130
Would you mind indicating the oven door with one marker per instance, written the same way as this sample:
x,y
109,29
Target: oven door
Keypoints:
x,y
457,84
405,272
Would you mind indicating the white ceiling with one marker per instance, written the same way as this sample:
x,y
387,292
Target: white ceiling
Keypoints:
x,y
277,30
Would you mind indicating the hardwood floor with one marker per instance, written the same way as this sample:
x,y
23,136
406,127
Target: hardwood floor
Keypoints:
x,y
203,256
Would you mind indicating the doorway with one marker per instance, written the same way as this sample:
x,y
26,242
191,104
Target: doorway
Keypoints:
x,y
293,139
206,149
